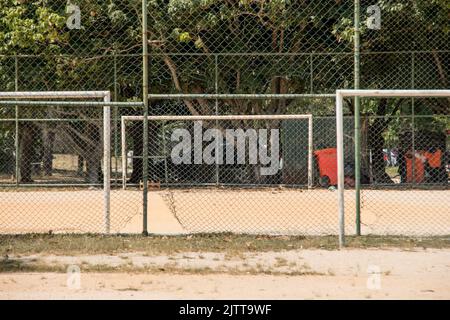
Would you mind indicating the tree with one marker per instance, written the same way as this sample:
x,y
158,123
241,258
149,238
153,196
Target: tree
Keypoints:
x,y
277,32
245,47
63,59
386,63
256,46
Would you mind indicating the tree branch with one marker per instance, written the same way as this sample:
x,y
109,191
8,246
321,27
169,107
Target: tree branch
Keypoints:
x,y
173,71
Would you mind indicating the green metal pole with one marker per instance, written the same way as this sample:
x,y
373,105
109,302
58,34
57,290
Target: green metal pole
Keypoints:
x,y
311,71
116,122
166,167
145,100
216,90
357,120
413,125
16,144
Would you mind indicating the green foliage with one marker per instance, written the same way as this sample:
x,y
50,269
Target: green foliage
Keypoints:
x,y
33,28
81,59
6,148
260,46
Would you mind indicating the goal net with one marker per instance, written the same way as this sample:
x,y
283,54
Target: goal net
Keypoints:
x,y
229,173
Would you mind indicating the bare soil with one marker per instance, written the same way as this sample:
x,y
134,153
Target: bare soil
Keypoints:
x,y
294,274
305,212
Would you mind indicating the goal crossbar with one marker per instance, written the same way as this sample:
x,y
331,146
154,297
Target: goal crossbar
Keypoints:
x,y
340,96
308,117
54,94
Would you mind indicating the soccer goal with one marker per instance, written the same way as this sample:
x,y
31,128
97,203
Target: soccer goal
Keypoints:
x,y
67,99
403,171
230,137
227,173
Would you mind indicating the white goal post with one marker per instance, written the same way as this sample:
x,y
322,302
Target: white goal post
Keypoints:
x,y
106,96
309,117
340,95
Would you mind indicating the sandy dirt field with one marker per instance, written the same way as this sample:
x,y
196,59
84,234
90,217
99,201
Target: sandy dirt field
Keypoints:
x,y
269,211
300,274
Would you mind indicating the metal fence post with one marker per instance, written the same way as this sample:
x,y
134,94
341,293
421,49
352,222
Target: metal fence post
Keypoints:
x,y
310,152
145,90
216,90
16,142
311,73
107,162
166,167
340,160
124,153
413,138
116,112
357,101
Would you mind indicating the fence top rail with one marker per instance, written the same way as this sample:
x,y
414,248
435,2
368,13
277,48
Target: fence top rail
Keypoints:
x,y
71,103
237,96
222,54
218,117
393,93
53,94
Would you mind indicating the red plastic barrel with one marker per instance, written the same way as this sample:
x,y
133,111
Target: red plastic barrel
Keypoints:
x,y
327,161
419,169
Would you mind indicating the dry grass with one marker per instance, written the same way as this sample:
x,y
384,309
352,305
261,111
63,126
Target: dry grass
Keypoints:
x,y
230,244
16,266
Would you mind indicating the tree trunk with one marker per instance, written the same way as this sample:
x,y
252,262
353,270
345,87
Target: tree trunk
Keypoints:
x,y
26,151
80,166
48,138
94,170
93,155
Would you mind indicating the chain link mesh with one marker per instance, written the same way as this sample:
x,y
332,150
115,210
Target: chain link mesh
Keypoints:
x,y
50,157
405,169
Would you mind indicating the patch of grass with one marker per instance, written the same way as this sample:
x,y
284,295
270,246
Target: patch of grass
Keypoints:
x,y
331,272
281,262
8,265
230,244
128,289
14,266
234,255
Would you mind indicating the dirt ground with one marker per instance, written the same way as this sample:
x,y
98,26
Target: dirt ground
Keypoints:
x,y
296,274
276,211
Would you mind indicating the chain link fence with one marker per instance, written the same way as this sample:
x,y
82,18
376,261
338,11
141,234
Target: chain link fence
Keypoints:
x,y
53,179
405,166
238,173
52,157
